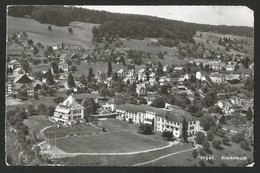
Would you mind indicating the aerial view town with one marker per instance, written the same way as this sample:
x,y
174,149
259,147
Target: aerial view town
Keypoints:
x,y
92,87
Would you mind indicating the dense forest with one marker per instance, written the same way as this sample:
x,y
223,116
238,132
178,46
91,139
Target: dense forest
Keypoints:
x,y
124,25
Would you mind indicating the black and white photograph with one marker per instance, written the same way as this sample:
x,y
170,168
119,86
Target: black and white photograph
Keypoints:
x,y
129,85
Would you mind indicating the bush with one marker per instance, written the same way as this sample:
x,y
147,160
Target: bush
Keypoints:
x,y
210,135
50,110
31,110
42,108
225,140
195,153
58,99
216,143
201,163
245,145
167,135
206,146
145,128
238,137
200,137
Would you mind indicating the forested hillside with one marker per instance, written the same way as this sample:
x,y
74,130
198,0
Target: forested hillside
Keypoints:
x,y
124,25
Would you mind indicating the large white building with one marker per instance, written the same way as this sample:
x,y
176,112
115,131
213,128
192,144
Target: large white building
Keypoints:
x,y
69,112
163,119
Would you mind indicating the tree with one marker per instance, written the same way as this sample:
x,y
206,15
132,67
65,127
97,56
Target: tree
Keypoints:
x,y
207,122
35,50
163,90
206,146
216,143
210,135
55,67
73,69
249,84
245,145
109,69
167,135
35,95
42,108
238,137
82,79
30,42
90,74
145,129
225,140
115,77
185,130
158,103
50,110
49,79
195,154
71,82
70,30
58,99
49,28
90,106
142,100
202,163
200,137
25,65
246,62
31,110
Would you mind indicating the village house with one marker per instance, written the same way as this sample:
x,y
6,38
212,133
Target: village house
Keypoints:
x,y
216,77
69,112
18,71
232,78
140,89
113,103
162,119
101,76
218,118
225,106
121,73
63,57
130,77
178,69
166,68
230,66
108,81
13,64
71,46
141,74
130,62
63,65
236,101
164,81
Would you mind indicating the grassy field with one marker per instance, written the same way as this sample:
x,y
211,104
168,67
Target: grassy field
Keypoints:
x,y
112,142
214,38
123,160
39,33
63,131
36,123
11,148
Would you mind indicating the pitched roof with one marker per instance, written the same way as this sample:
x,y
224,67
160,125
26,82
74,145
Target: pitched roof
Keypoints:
x,y
14,61
20,76
178,68
63,56
70,104
175,115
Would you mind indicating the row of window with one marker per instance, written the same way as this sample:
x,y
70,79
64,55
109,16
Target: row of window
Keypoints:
x,y
77,112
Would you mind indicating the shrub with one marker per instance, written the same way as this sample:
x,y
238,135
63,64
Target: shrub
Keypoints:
x,y
201,163
42,108
195,153
225,140
145,129
200,137
216,143
238,137
206,146
58,99
210,135
167,135
245,145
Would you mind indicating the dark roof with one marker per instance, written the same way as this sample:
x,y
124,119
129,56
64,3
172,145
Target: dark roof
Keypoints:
x,y
175,115
117,100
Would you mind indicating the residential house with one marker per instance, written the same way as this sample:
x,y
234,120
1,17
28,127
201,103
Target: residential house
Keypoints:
x,y
20,87
63,65
101,76
178,69
141,74
232,78
225,106
13,64
121,73
216,77
69,112
113,103
63,57
140,89
218,118
236,101
162,119
152,76
166,68
108,81
22,78
18,71
131,77
163,81
230,67
130,62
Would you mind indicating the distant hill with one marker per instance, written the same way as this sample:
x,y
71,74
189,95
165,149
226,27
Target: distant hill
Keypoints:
x,y
124,25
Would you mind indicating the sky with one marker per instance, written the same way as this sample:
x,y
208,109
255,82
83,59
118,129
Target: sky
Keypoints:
x,y
213,15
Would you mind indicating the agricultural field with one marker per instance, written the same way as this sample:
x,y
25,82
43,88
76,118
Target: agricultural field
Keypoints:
x,y
82,32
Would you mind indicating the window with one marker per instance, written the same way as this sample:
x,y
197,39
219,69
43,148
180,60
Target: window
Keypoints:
x,y
192,128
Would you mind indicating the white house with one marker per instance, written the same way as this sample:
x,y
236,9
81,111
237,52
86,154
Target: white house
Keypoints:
x,y
64,66
141,89
69,112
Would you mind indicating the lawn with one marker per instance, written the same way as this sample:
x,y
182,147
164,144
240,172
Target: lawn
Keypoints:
x,y
111,142
63,131
122,160
82,32
36,123
115,125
